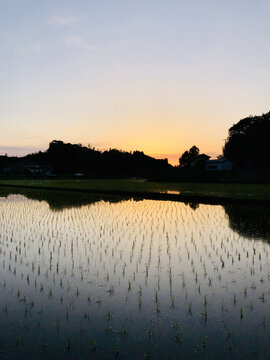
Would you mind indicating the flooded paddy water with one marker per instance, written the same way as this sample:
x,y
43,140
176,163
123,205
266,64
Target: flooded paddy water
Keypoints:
x,y
86,277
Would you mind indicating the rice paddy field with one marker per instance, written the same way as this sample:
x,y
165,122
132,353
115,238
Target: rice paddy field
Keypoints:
x,y
94,277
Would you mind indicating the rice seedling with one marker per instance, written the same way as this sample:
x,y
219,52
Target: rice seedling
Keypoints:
x,y
68,345
93,345
189,308
116,350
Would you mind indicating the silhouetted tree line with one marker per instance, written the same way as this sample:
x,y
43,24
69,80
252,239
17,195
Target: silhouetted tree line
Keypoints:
x,y
246,146
67,159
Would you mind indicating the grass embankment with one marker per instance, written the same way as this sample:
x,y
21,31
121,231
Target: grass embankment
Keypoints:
x,y
260,192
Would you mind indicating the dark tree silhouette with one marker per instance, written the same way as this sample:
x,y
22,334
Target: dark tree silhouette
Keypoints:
x,y
248,142
188,156
249,221
68,159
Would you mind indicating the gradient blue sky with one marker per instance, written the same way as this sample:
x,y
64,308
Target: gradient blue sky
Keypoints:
x,y
152,75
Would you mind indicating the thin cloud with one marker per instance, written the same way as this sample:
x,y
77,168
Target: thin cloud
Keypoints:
x,y
61,20
78,42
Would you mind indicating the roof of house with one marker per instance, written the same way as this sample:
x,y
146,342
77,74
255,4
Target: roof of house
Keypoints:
x,y
203,156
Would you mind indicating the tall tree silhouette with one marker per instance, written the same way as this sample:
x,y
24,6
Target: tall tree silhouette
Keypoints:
x,y
188,156
248,142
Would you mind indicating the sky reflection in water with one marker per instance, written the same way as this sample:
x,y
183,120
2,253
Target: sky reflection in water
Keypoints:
x,y
87,278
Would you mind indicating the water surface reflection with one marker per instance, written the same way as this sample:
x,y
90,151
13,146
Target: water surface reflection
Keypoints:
x,y
105,277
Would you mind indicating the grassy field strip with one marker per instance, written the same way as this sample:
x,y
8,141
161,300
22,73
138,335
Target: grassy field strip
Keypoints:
x,y
222,191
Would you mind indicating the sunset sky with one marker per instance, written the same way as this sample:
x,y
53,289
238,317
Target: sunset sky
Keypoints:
x,y
151,75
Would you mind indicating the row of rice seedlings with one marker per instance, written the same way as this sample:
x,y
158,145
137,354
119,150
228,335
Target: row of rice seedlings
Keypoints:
x,y
154,258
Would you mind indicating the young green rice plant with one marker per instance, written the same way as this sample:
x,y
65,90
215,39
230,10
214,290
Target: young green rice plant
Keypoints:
x,y
147,355
93,345
190,309
140,302
116,350
68,345
158,308
109,315
204,314
172,302
111,290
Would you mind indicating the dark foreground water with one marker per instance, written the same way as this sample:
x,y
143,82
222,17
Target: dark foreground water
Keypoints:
x,y
86,278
